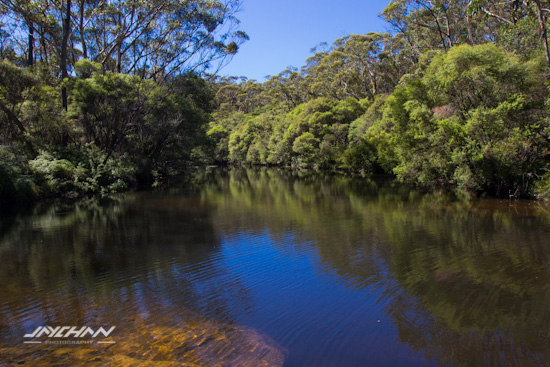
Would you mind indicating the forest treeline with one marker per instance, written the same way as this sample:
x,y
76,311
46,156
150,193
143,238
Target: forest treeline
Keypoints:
x,y
455,95
97,96
100,95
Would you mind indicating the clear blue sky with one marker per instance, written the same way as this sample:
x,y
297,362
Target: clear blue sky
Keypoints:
x,y
282,32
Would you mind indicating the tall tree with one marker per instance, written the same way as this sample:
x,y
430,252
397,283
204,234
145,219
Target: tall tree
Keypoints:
x,y
64,45
512,13
433,24
357,66
152,39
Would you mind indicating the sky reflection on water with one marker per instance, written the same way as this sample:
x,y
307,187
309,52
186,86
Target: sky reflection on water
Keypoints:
x,y
268,265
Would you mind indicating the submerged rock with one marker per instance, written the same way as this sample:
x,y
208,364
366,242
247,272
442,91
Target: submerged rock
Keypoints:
x,y
204,343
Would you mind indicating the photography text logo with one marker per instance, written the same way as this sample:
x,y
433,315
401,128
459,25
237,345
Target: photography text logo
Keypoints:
x,y
59,334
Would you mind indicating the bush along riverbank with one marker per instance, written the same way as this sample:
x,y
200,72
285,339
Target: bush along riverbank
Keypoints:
x,y
471,118
429,105
118,132
97,98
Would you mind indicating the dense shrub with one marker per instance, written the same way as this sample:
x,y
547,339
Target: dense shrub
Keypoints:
x,y
8,192
474,118
81,172
313,134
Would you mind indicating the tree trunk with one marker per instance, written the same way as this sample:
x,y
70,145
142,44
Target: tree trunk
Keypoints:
x,y
30,61
13,118
81,25
119,44
544,32
469,26
64,47
44,51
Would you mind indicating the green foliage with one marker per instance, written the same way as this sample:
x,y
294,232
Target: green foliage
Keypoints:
x,y
218,136
520,38
54,175
437,104
175,123
543,187
157,125
431,103
8,191
127,104
14,83
467,77
42,113
119,130
85,68
473,119
107,107
305,147
240,141
362,156
80,172
95,175
359,126
15,87
313,134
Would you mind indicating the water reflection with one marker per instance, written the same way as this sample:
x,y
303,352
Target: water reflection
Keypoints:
x,y
466,282
138,264
261,266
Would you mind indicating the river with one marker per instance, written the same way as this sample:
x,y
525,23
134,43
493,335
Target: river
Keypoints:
x,y
277,268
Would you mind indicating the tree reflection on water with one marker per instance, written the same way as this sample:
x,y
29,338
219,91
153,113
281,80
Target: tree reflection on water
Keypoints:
x,y
463,283
468,281
127,264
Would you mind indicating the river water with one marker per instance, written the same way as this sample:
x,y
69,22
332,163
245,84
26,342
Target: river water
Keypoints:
x,y
275,268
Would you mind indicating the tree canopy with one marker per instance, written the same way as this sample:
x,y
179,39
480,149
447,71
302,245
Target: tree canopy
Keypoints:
x,y
99,95
453,95
111,93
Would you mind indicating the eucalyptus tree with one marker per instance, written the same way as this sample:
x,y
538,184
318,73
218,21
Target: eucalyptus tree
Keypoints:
x,y
158,38
285,89
527,20
239,94
24,19
357,66
152,38
433,24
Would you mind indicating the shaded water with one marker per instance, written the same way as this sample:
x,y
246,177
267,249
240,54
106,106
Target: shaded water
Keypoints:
x,y
270,268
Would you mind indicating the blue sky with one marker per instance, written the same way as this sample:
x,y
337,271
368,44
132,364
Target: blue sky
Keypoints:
x,y
282,32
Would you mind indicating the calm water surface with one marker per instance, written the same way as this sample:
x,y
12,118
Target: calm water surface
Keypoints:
x,y
270,268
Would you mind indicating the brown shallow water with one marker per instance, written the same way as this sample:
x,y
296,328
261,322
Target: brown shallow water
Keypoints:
x,y
271,268
147,342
